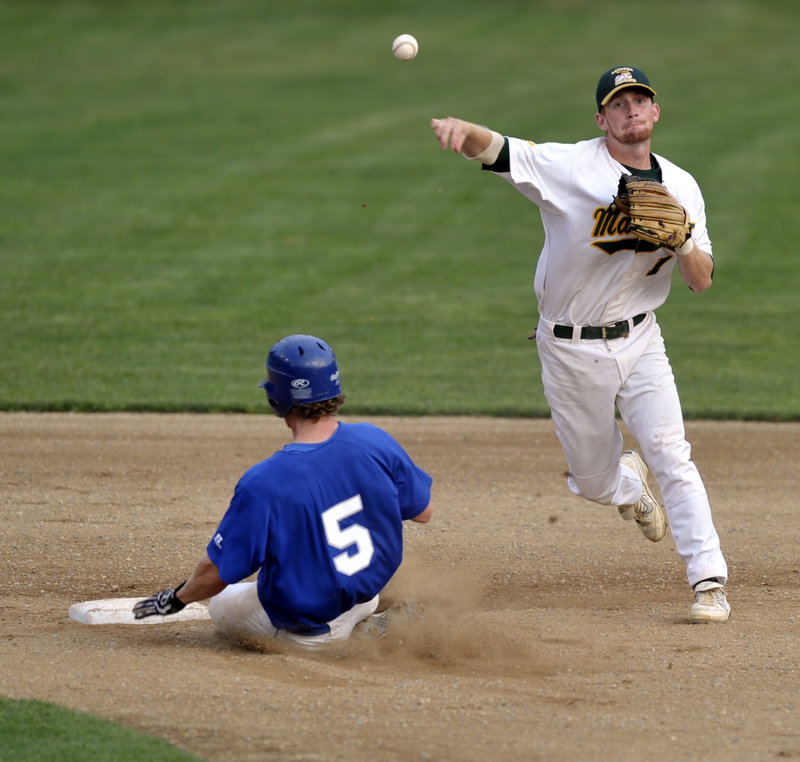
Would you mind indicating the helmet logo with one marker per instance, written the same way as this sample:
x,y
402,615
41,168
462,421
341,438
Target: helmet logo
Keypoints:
x,y
300,383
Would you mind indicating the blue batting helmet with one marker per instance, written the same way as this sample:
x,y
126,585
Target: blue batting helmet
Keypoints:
x,y
300,369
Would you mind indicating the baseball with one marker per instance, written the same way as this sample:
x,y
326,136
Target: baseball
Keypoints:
x,y
405,47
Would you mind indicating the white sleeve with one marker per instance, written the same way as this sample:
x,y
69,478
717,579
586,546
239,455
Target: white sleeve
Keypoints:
x,y
542,172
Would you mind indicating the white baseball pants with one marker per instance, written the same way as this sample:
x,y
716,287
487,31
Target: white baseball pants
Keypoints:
x,y
585,383
237,611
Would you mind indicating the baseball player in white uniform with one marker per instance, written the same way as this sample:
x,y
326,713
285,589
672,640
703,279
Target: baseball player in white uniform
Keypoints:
x,y
600,346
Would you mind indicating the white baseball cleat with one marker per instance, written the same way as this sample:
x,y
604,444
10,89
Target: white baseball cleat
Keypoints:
x,y
710,603
648,512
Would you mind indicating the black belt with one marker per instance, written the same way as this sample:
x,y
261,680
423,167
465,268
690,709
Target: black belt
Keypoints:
x,y
613,331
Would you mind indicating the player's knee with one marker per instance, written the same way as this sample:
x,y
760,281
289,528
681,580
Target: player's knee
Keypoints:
x,y
232,605
599,488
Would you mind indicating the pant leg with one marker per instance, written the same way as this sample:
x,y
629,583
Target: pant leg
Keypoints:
x,y
649,404
340,628
581,381
238,611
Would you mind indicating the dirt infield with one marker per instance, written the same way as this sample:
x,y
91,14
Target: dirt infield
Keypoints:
x,y
554,630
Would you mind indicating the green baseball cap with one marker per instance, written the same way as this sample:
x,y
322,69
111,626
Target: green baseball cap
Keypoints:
x,y
619,78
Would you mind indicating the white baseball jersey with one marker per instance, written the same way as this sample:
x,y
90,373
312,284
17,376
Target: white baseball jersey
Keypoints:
x,y
592,270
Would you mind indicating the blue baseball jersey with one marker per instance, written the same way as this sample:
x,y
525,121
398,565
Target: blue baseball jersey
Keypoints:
x,y
322,525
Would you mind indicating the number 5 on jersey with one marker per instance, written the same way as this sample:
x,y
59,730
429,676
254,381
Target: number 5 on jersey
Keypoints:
x,y
354,534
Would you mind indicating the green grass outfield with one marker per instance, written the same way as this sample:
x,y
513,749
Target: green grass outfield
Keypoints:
x,y
184,183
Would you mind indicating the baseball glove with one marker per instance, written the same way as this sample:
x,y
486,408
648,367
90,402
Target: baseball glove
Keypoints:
x,y
655,214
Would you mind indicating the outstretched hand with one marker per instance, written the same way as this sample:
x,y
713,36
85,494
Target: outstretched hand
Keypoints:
x,y
451,132
163,603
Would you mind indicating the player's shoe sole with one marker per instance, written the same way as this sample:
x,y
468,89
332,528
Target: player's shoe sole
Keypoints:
x,y
710,603
648,512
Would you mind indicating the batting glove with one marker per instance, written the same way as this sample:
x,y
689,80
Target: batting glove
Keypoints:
x,y
163,603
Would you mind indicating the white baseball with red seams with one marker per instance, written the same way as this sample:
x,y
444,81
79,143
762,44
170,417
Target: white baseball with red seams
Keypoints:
x,y
405,47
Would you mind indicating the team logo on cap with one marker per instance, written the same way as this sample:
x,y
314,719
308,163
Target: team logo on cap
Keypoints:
x,y
622,75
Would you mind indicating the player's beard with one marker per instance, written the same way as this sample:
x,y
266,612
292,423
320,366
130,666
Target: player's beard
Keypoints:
x,y
640,134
